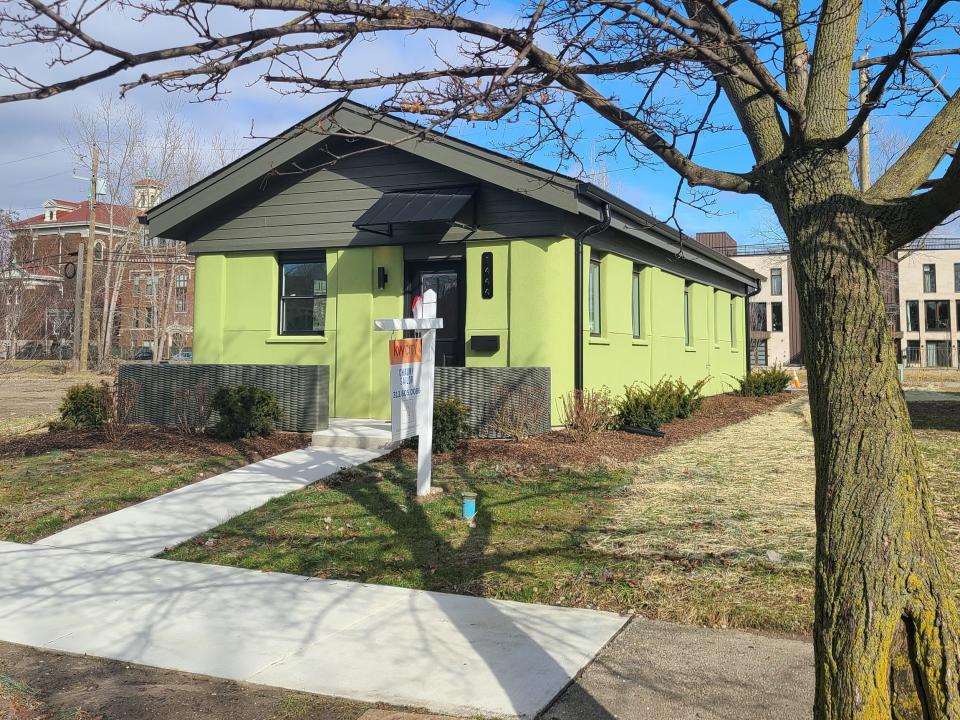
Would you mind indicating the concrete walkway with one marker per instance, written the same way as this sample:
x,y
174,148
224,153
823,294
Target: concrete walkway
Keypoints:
x,y
148,528
446,653
661,671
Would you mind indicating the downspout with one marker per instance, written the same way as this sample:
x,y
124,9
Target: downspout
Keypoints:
x,y
746,325
578,292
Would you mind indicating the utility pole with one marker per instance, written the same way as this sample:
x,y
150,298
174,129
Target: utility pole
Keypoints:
x,y
88,263
863,142
77,304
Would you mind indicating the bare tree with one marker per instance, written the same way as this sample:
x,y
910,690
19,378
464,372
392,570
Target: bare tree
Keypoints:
x,y
660,74
160,148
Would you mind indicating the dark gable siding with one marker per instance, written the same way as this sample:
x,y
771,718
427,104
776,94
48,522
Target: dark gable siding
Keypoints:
x,y
317,208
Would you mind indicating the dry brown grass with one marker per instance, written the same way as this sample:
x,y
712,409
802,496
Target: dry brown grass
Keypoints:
x,y
735,494
708,512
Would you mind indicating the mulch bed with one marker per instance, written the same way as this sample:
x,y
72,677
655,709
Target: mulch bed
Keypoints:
x,y
562,449
151,438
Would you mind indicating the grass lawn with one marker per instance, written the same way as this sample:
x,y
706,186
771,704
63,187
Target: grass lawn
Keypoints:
x,y
716,531
42,494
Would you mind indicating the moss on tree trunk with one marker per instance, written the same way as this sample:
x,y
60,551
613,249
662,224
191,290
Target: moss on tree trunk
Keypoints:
x,y
881,564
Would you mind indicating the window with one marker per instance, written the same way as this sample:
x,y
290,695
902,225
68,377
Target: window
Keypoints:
x,y
594,292
929,278
758,352
151,285
958,315
956,277
98,250
638,328
180,292
137,280
149,315
776,316
913,315
938,314
758,316
776,281
733,323
303,294
687,316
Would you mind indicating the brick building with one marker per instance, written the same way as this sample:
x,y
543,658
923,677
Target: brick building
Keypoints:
x,y
142,287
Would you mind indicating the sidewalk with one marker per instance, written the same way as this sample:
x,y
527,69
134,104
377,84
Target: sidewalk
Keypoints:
x,y
447,653
148,528
662,671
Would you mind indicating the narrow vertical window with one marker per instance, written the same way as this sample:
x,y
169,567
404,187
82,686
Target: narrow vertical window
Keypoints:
x,y
776,281
776,316
930,278
594,299
913,315
180,292
733,322
303,294
687,319
956,277
638,328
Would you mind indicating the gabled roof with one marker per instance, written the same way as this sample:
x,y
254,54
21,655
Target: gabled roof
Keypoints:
x,y
346,117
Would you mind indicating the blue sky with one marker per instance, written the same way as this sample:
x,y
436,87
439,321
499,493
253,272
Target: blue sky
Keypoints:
x,y
35,165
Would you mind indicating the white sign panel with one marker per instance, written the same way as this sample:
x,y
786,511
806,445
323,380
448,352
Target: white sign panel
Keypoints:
x,y
406,388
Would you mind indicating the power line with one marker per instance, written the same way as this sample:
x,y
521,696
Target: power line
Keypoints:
x,y
34,157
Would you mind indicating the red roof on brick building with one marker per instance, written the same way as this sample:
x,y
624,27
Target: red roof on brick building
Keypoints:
x,y
80,212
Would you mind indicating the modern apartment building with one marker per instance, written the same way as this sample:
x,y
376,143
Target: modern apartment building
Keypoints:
x,y
929,272
774,311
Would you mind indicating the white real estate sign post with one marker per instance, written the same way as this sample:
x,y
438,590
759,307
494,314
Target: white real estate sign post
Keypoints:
x,y
411,381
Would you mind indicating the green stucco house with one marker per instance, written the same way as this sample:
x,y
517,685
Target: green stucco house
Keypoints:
x,y
302,243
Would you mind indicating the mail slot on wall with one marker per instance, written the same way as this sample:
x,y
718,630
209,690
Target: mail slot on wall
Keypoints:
x,y
485,343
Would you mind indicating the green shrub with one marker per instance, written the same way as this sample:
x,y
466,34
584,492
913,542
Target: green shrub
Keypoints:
x,y
689,397
763,382
652,406
449,424
245,411
648,406
82,407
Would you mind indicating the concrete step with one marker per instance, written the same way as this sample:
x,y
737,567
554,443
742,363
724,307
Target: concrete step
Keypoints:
x,y
361,433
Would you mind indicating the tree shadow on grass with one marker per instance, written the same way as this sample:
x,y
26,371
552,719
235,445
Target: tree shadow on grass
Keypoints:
x,y
935,415
429,551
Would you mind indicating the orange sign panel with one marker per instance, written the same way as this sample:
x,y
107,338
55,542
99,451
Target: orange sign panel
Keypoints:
x,y
404,352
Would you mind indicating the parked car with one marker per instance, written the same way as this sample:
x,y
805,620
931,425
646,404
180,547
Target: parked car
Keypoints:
x,y
143,353
183,356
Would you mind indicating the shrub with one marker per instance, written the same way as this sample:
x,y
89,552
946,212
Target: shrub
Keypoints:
x,y
117,403
245,411
449,424
586,412
763,382
689,397
55,426
81,407
648,406
192,406
521,408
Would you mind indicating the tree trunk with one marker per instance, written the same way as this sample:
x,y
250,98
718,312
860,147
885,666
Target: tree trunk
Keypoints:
x,y
881,565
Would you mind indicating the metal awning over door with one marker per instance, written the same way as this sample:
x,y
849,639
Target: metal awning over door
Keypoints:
x,y
415,206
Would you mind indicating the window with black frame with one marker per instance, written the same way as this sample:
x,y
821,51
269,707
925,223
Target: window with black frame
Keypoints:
x,y
938,314
776,316
303,294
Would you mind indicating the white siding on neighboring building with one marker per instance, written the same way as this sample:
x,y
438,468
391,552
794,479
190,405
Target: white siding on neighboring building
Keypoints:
x,y
930,343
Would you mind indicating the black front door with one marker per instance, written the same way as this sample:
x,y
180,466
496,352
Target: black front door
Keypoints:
x,y
446,278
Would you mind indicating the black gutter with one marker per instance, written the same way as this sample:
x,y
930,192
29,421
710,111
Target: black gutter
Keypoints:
x,y
578,292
